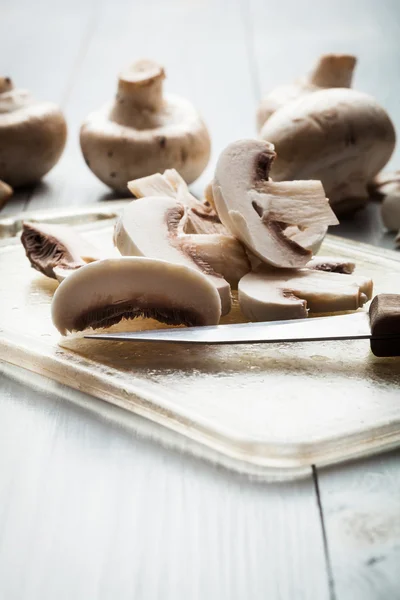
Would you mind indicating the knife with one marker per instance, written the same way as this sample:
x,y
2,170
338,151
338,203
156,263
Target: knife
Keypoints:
x,y
380,325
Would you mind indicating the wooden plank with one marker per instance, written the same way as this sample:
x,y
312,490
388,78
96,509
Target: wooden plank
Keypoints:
x,y
361,508
205,61
93,506
40,48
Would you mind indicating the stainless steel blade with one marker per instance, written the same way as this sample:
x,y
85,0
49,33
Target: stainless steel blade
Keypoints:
x,y
354,326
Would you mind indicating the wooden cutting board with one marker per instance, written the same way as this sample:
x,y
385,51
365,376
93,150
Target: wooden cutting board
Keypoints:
x,y
274,409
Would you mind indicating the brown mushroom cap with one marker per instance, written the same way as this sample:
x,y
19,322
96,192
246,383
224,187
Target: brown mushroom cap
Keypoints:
x,y
339,136
32,136
143,132
103,293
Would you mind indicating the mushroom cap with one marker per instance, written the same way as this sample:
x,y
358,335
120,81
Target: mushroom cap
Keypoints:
x,y
32,137
153,227
331,70
102,293
339,136
177,138
276,294
257,210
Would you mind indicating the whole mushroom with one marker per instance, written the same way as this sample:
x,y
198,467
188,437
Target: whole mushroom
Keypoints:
x,y
144,131
338,136
32,135
331,71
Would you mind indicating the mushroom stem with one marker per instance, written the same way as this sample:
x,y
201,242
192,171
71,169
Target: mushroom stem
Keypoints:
x,y
333,70
139,90
5,84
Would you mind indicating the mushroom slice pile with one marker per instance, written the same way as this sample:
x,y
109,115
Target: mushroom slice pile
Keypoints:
x,y
257,211
279,295
144,131
202,217
153,227
56,250
6,192
103,293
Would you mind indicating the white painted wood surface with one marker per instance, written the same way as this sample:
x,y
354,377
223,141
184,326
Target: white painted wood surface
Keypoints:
x,y
89,509
361,505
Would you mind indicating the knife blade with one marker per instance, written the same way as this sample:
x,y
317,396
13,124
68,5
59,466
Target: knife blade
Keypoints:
x,y
381,325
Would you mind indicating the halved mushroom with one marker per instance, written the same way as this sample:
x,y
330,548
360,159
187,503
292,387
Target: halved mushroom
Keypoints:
x,y
202,217
6,192
339,136
103,293
153,227
56,250
330,71
279,295
257,210
32,135
331,264
144,131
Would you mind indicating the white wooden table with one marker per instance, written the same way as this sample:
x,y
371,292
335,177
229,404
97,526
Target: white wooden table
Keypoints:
x,y
89,507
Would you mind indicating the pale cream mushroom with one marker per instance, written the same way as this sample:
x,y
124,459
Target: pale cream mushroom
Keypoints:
x,y
386,187
103,293
57,250
202,217
32,135
144,131
330,71
338,136
6,192
154,227
280,295
257,210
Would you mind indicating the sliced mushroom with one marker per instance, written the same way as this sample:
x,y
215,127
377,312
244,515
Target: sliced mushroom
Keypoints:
x,y
331,71
56,250
153,227
279,295
32,135
341,137
257,210
310,238
103,293
6,192
202,217
144,132
331,264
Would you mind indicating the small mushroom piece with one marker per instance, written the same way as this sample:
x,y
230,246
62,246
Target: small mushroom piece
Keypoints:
x,y
331,71
331,264
6,192
56,250
144,132
310,238
338,136
202,218
257,210
153,227
103,293
32,135
279,295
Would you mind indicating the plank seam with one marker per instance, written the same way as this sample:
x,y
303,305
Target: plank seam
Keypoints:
x,y
331,583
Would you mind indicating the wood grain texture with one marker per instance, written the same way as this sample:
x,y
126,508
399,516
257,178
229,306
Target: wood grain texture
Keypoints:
x,y
90,509
361,507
